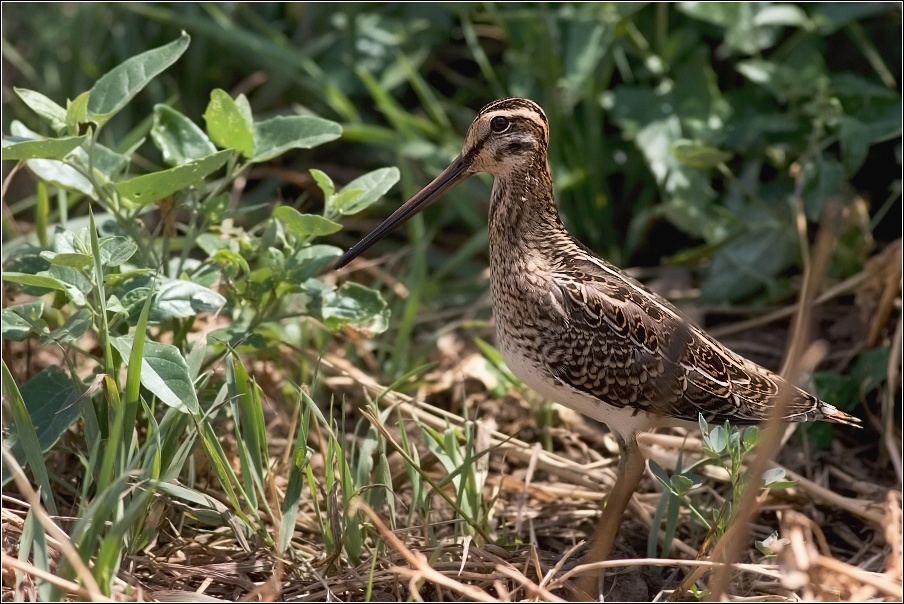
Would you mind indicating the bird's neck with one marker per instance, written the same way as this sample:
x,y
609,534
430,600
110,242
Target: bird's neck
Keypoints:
x,y
523,209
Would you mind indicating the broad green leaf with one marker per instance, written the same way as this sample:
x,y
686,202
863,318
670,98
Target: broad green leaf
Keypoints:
x,y
16,148
354,305
77,112
681,484
823,177
49,398
698,155
344,198
106,162
373,186
116,250
59,174
305,225
277,135
780,14
117,87
14,328
113,251
227,124
71,277
72,241
177,299
858,132
45,107
34,280
309,261
244,107
50,170
716,439
324,182
237,338
178,138
226,258
832,16
751,260
742,33
70,259
772,476
22,320
854,85
151,187
74,327
164,372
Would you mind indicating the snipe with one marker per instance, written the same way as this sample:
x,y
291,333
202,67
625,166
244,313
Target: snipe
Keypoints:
x,y
581,332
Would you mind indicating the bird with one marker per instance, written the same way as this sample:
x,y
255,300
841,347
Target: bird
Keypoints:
x,y
583,333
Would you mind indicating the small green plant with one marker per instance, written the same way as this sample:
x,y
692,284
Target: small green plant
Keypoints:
x,y
726,447
119,293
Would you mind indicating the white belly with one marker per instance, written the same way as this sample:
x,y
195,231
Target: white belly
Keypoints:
x,y
626,421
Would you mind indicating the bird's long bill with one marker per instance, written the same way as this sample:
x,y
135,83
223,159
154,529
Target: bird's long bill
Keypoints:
x,y
448,178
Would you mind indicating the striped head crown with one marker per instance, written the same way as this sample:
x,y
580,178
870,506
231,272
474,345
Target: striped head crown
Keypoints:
x,y
504,135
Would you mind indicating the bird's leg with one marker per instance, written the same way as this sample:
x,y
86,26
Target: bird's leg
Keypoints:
x,y
631,466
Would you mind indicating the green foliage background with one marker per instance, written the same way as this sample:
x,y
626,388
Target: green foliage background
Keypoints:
x,y
637,95
681,133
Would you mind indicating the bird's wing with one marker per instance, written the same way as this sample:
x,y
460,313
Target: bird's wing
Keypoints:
x,y
629,347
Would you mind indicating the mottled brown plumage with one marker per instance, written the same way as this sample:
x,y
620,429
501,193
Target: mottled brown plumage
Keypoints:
x,y
579,330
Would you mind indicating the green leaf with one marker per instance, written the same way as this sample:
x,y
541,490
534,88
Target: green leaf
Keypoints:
x,y
178,299
698,155
823,177
60,175
43,106
77,112
164,372
277,135
660,474
70,259
372,186
21,320
178,138
324,182
354,305
228,125
14,328
116,250
149,188
118,86
106,162
70,277
74,327
305,225
309,261
857,133
34,280
716,440
781,14
773,476
16,148
49,402
832,16
237,338
751,260
681,484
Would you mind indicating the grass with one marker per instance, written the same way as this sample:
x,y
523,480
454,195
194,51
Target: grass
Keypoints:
x,y
198,408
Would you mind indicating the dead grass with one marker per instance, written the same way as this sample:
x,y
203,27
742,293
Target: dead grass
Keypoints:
x,y
842,522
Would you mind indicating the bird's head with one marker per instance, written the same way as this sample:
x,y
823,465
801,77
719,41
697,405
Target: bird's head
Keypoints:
x,y
506,137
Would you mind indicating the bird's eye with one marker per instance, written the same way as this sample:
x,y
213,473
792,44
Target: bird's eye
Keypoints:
x,y
499,124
